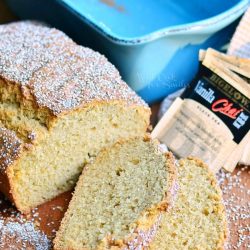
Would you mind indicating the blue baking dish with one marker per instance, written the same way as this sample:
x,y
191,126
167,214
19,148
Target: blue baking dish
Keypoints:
x,y
154,43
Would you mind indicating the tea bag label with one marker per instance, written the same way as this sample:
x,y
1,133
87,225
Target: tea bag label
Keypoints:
x,y
195,130
221,98
209,120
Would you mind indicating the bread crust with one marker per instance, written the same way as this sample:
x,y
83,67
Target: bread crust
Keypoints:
x,y
11,148
149,220
10,160
47,76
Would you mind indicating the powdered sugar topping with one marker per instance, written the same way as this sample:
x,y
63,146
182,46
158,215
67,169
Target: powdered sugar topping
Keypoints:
x,y
79,76
55,72
10,147
237,207
144,238
26,47
16,235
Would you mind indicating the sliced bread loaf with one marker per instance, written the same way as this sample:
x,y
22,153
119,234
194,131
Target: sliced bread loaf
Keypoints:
x,y
60,104
198,220
119,198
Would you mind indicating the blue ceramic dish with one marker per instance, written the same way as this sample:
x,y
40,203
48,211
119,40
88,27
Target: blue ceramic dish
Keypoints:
x,y
154,43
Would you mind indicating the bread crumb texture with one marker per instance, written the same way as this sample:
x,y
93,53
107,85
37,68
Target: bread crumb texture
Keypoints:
x,y
119,197
60,104
198,220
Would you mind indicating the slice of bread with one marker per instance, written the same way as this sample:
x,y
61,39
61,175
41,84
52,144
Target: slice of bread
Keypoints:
x,y
198,220
119,198
60,104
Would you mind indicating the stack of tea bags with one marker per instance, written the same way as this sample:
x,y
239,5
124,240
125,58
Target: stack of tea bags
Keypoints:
x,y
236,71
234,74
211,118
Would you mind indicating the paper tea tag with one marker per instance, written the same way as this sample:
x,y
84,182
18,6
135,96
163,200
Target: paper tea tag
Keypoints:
x,y
241,67
209,120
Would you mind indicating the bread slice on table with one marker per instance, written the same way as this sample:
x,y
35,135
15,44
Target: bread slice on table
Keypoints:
x,y
197,220
119,198
60,104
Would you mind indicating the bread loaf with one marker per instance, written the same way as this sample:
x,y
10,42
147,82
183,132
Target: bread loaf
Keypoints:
x,y
119,199
60,104
197,220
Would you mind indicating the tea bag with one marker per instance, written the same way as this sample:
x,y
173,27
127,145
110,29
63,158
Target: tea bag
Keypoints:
x,y
238,74
211,118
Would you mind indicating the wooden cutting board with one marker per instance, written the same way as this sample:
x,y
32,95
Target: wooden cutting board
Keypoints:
x,y
47,217
237,200
236,191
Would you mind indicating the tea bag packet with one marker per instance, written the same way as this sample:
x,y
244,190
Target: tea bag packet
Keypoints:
x,y
240,81
241,67
211,119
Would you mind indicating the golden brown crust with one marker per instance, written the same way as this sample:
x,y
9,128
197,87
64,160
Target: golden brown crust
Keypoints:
x,y
221,208
14,148
11,149
5,186
51,75
149,220
46,76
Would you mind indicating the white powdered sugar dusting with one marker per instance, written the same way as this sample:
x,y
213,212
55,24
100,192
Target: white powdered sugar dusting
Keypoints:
x,y
16,235
10,147
79,76
56,73
25,47
21,232
144,238
237,207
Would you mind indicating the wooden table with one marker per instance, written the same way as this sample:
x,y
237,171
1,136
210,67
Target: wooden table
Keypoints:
x,y
236,189
51,213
